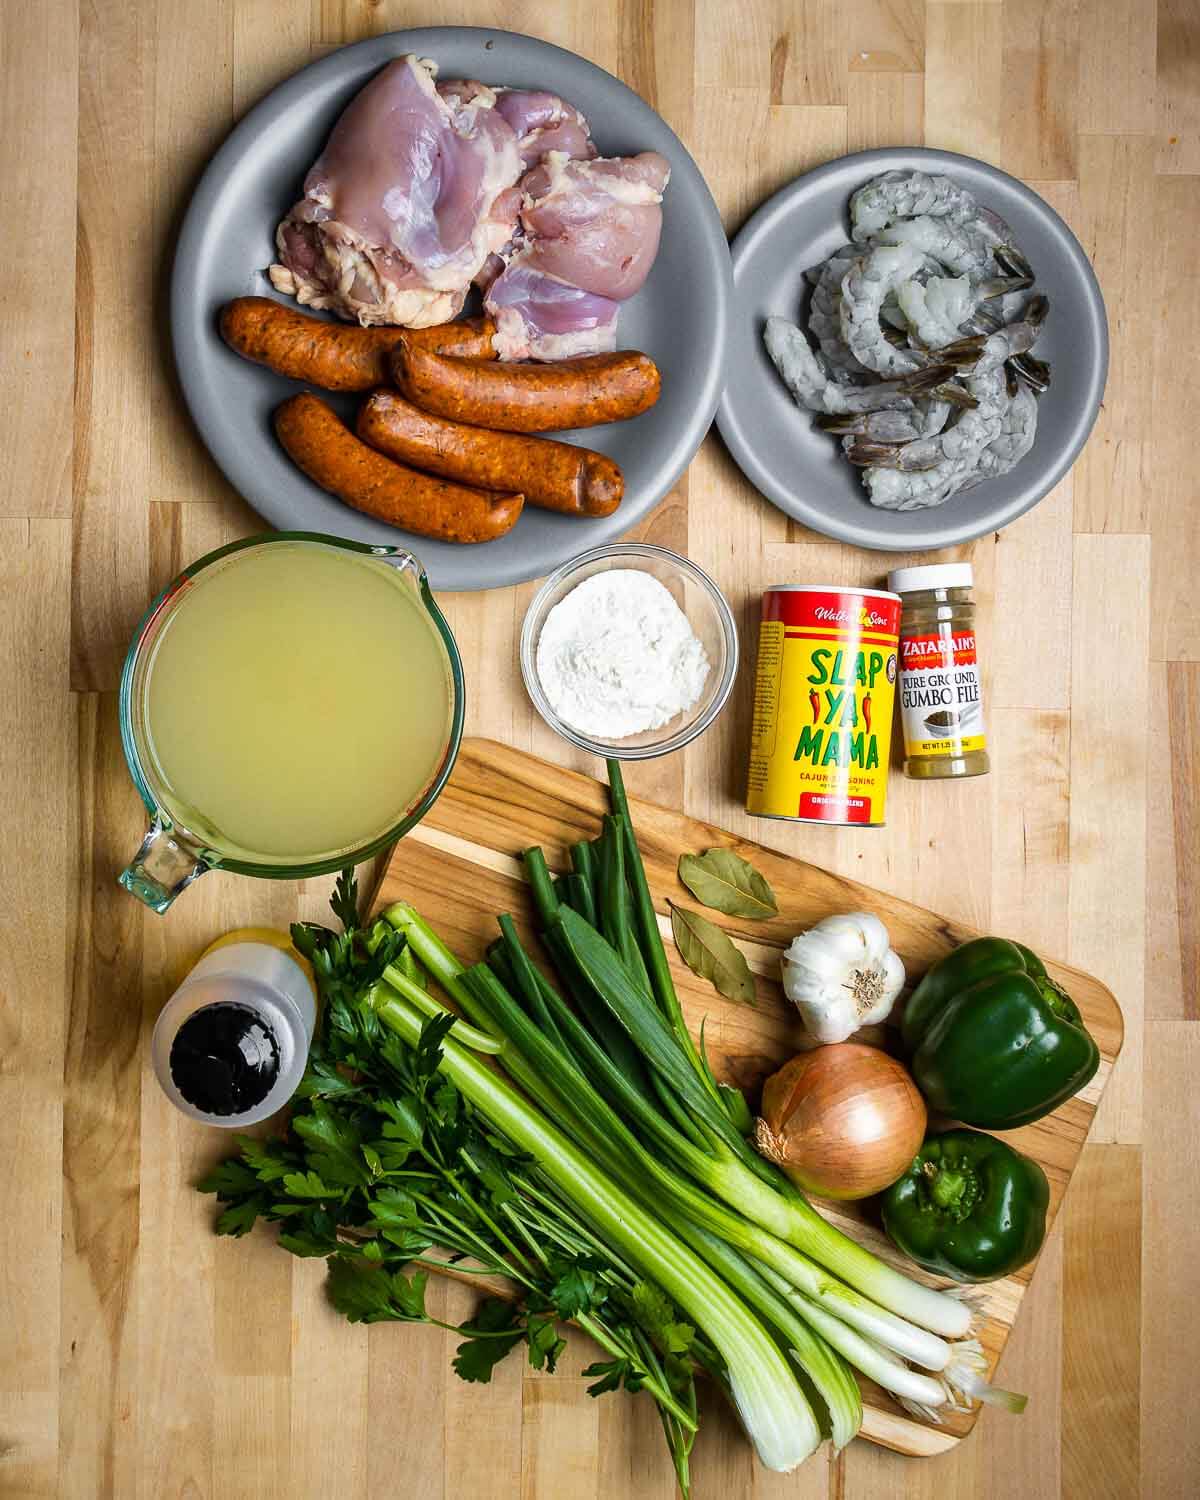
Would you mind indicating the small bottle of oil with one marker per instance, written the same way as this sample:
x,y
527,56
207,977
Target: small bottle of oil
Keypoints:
x,y
941,704
230,1045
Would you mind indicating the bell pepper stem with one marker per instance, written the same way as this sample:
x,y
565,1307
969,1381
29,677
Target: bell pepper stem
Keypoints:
x,y
946,1186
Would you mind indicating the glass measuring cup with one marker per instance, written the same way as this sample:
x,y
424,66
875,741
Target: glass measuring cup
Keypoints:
x,y
178,848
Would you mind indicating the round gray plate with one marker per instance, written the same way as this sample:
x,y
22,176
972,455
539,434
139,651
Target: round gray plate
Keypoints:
x,y
680,317
800,468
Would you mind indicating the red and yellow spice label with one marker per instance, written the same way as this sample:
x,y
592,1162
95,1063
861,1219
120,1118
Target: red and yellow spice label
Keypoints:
x,y
824,692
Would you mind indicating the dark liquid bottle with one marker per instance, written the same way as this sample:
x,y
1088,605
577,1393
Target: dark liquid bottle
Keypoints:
x,y
224,1059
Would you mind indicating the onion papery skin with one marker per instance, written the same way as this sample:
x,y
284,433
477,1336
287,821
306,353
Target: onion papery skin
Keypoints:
x,y
843,1121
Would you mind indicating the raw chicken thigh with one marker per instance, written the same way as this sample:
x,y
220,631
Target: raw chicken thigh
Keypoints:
x,y
540,317
544,123
424,188
415,188
588,236
596,223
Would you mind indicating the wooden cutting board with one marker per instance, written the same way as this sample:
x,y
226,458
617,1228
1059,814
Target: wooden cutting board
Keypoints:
x,y
460,868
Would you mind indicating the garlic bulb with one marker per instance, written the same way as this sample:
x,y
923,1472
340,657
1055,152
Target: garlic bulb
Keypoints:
x,y
842,974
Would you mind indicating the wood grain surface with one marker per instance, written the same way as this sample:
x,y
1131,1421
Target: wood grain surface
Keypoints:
x,y
461,867
139,1356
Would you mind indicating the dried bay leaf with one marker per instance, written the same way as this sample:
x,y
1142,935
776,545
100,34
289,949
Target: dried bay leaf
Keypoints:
x,y
726,882
707,951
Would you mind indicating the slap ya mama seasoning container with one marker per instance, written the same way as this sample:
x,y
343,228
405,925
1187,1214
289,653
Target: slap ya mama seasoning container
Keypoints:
x,y
941,705
823,704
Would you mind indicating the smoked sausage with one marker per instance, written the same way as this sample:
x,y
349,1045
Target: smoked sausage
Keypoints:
x,y
526,398
337,356
555,476
320,443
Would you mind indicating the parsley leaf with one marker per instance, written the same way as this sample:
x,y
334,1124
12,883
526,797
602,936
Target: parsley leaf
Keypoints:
x,y
371,1294
499,1323
363,1295
545,1345
655,1314
393,1207
334,1145
271,1160
306,1185
614,1375
404,1122
302,1242
325,1079
229,1179
239,1217
344,901
576,1288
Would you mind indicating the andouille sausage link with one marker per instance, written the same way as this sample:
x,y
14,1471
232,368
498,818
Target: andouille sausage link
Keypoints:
x,y
337,356
526,398
555,476
320,443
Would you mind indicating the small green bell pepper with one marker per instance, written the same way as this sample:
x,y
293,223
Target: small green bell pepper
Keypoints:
x,y
969,1207
993,1040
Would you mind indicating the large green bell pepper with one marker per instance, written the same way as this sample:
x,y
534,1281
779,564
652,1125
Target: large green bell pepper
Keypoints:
x,y
993,1040
969,1207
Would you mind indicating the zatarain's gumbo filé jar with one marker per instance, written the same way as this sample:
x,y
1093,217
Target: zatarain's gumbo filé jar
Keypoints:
x,y
941,702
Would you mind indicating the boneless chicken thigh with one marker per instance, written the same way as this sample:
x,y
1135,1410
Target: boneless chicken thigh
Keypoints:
x,y
425,187
540,317
415,188
544,123
595,223
588,236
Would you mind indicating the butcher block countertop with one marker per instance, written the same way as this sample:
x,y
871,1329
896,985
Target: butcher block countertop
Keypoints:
x,y
140,1356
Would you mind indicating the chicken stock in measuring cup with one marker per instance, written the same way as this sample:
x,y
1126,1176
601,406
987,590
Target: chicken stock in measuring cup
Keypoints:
x,y
290,705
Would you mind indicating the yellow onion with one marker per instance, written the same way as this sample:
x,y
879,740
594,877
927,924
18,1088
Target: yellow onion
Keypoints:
x,y
842,1121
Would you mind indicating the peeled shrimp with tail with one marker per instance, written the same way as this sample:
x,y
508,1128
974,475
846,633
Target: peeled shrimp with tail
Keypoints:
x,y
929,470
808,379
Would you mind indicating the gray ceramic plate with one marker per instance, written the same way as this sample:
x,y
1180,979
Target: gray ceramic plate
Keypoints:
x,y
680,317
801,469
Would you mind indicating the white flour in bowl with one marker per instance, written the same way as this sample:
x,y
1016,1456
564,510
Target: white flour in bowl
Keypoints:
x,y
617,656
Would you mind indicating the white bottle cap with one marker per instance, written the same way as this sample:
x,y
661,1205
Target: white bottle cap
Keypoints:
x,y
959,575
263,979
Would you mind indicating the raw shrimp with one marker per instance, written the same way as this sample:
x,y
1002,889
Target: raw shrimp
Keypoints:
x,y
924,326
823,316
937,308
1015,268
1015,439
864,287
929,417
901,195
807,378
936,311
930,470
956,247
892,318
1011,309
1033,371
925,419
991,227
994,348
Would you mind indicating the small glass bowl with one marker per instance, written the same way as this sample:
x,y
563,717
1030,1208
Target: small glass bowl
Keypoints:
x,y
707,613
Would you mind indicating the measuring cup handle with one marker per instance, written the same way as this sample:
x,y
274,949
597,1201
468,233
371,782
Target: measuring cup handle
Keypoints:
x,y
161,868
